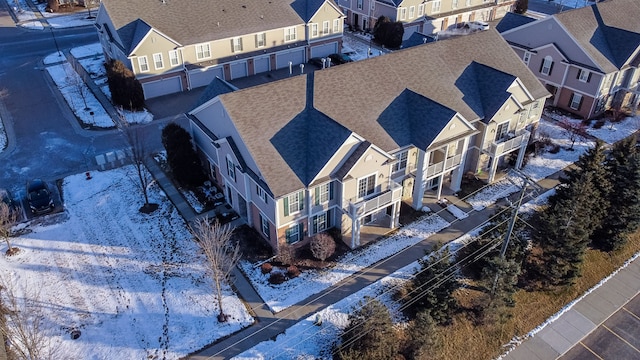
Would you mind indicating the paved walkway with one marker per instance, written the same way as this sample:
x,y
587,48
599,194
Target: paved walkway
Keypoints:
x,y
583,318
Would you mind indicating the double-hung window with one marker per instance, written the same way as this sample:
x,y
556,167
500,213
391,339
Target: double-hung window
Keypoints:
x,y
323,193
321,222
468,3
336,26
261,40
420,9
314,30
401,162
264,225
143,63
502,130
157,61
173,58
584,75
435,7
576,101
412,12
403,13
366,186
293,203
231,169
203,51
294,233
290,34
325,27
526,57
359,4
236,43
547,65
261,193
454,4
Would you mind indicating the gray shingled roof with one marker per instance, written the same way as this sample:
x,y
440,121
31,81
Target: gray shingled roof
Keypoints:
x,y
394,100
195,21
512,20
215,88
608,31
307,8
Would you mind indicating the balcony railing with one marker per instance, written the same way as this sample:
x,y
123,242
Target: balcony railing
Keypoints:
x,y
449,163
509,143
378,201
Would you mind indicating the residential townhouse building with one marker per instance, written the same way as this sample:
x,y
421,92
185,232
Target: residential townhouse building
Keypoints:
x,y
172,46
425,16
343,147
587,58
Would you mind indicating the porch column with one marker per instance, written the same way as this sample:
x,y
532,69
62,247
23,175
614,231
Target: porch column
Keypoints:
x,y
395,214
355,227
493,168
418,185
456,177
522,151
440,181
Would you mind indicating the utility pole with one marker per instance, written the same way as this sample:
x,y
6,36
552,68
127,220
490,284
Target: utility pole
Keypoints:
x,y
527,181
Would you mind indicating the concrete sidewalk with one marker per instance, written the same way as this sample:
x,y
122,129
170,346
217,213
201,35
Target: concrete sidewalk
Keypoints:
x,y
582,318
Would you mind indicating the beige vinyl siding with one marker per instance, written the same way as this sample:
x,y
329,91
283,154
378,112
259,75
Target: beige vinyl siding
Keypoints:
x,y
155,43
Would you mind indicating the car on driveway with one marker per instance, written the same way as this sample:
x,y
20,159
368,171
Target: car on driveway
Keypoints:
x,y
338,59
317,61
39,197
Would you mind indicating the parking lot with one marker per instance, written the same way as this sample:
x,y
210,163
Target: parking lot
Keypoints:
x,y
617,338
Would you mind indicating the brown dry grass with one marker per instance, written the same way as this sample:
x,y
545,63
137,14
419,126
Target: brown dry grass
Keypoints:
x,y
464,340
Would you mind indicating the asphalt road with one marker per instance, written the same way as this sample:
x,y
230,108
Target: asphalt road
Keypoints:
x,y
617,338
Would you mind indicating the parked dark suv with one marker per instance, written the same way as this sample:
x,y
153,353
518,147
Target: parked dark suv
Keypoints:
x,y
338,59
39,197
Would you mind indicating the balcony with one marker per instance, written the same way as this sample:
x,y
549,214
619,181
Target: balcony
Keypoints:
x,y
381,200
442,166
512,141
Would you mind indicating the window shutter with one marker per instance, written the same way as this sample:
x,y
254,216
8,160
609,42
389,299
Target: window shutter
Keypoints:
x,y
301,200
571,99
286,206
315,224
329,218
541,66
256,39
257,190
579,73
551,68
331,191
317,195
300,231
589,77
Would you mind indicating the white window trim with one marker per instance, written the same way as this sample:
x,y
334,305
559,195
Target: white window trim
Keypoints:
x,y
261,40
336,26
313,32
292,226
412,12
231,169
526,58
172,58
262,194
420,10
454,4
584,75
322,193
360,4
403,13
237,44
496,138
468,3
316,229
297,210
436,6
201,55
143,63
375,183
291,34
263,220
573,101
547,68
155,61
326,27
399,161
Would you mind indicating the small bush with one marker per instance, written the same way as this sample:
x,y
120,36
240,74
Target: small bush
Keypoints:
x,y
555,149
598,124
181,156
322,246
266,268
276,278
293,271
126,90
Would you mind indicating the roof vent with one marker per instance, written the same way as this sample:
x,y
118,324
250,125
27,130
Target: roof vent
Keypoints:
x,y
261,16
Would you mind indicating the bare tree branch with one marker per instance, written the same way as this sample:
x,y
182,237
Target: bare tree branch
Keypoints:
x,y
221,253
7,218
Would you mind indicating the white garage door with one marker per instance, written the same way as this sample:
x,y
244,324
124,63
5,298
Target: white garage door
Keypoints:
x,y
296,56
203,77
261,64
162,87
239,70
324,50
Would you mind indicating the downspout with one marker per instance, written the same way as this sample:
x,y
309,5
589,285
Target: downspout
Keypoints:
x,y
184,68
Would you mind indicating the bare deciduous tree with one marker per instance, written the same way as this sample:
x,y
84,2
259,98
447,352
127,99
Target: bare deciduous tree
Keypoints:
x,y
134,136
574,130
221,252
7,219
23,323
77,84
322,246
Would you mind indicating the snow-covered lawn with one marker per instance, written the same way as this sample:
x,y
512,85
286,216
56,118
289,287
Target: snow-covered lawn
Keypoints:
x,y
280,297
538,167
610,132
74,90
358,50
119,276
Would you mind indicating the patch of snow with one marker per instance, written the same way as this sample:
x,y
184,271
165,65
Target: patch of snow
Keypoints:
x,y
120,276
359,49
94,50
291,292
455,211
55,58
610,132
70,85
94,67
